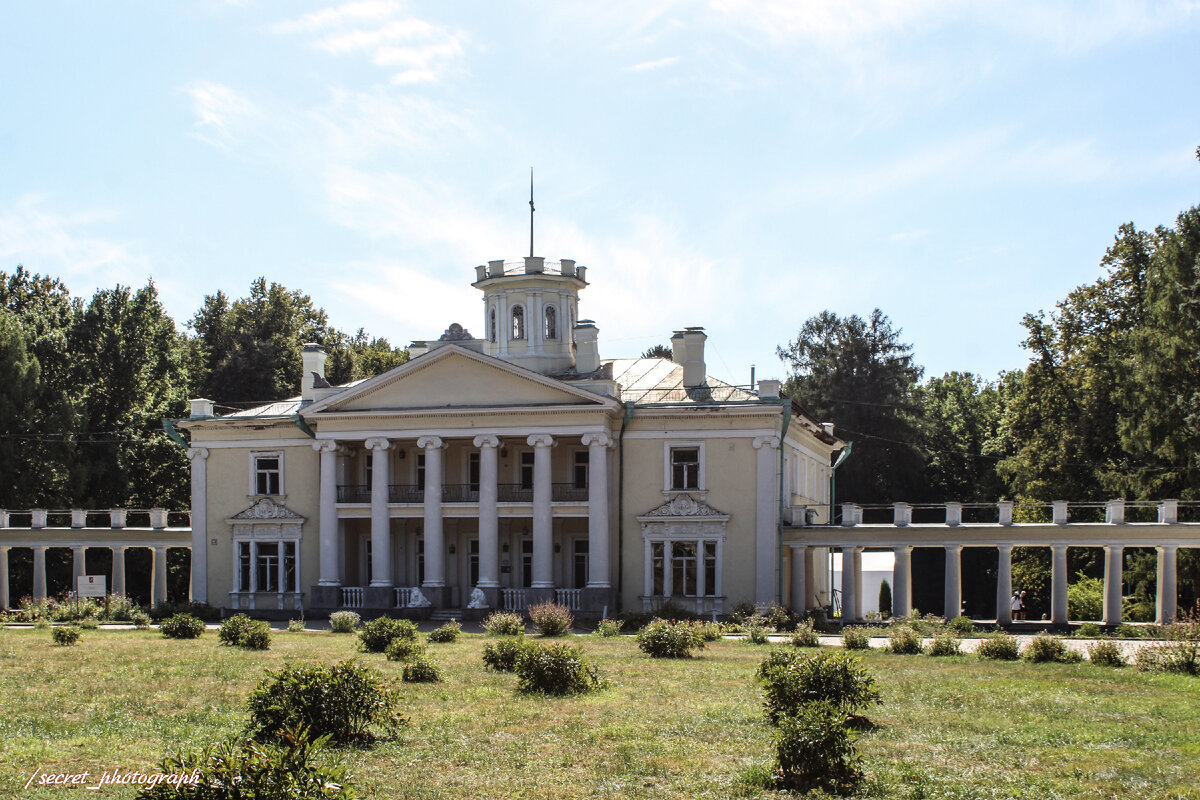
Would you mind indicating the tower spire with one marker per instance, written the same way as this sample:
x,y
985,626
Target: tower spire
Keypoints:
x,y
531,209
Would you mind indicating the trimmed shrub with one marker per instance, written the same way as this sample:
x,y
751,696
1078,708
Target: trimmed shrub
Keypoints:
x,y
885,598
781,619
233,629
181,626
502,656
1181,655
905,641
835,676
756,634
405,649
856,637
1088,630
447,633
665,639
140,619
201,611
709,631
961,625
289,771
376,635
556,669
344,622
504,623
1106,654
345,701
422,669
1044,647
945,644
806,635
65,635
814,749
1127,631
295,626
1001,647
241,631
551,619
609,628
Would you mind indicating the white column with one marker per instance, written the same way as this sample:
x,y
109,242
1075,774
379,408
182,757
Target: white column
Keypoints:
x,y
381,523
953,596
435,543
720,567
1168,592
3,578
1113,583
1004,585
1058,579
810,578
158,583
849,612
118,570
799,579
543,532
39,572
489,514
766,511
858,592
78,565
902,581
668,572
648,568
598,546
199,458
328,574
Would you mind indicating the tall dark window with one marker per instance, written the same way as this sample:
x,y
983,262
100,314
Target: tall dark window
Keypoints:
x,y
473,473
244,566
579,475
527,469
685,468
492,326
581,563
526,563
518,323
421,471
551,322
266,475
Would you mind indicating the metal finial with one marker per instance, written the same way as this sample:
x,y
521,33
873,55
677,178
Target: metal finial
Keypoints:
x,y
531,209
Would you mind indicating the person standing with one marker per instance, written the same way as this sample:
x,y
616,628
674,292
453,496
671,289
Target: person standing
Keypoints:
x,y
1015,605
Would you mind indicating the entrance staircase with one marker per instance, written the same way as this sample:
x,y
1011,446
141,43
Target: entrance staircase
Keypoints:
x,y
441,615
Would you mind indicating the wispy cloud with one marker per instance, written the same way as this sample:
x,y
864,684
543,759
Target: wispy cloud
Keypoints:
x,y
222,114
649,65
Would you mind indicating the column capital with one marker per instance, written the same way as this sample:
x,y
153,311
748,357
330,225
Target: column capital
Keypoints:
x,y
956,547
326,446
1059,546
377,443
798,548
197,452
1167,548
597,440
540,440
901,548
486,440
1003,547
431,443
766,441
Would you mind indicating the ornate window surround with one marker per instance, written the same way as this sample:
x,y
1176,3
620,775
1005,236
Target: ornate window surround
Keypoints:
x,y
265,521
683,518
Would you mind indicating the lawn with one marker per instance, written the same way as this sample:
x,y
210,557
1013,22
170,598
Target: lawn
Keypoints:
x,y
955,727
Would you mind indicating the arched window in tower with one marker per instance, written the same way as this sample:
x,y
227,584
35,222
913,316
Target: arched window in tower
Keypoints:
x,y
518,322
551,322
492,326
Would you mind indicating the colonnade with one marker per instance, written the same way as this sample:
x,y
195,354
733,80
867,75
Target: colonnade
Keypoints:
x,y
158,580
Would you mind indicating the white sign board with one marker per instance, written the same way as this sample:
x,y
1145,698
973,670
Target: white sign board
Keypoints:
x,y
91,585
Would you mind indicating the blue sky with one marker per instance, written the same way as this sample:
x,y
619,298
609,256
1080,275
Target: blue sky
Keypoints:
x,y
733,164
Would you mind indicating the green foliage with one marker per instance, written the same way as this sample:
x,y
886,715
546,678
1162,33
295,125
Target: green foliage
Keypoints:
x,y
667,639
502,656
446,633
402,649
503,623
65,635
856,637
962,435
756,634
709,631
422,669
249,770
345,701
181,626
944,644
1000,647
295,626
556,669
201,611
344,622
780,618
903,640
814,750
805,635
1085,598
607,628
233,629
1106,654
551,619
1088,630
1044,647
963,626
140,619
885,599
376,635
790,680
1181,655
89,624
740,613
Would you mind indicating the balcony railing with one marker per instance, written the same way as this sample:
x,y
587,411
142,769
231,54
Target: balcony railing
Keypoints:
x,y
352,597
462,493
513,599
568,598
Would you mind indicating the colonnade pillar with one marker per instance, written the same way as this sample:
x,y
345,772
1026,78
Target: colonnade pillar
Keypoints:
x,y
953,593
199,458
850,584
381,523
543,521
489,515
328,574
902,581
1058,579
1113,583
78,565
3,578
158,583
799,579
1168,591
598,445
39,572
118,569
435,543
1004,585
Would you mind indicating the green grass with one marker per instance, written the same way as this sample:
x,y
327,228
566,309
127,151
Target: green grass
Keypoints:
x,y
952,727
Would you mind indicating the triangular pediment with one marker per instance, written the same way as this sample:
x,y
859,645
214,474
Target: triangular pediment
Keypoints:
x,y
453,376
683,506
267,509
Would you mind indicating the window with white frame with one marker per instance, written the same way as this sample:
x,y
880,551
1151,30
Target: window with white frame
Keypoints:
x,y
684,568
518,322
267,566
684,467
266,473
492,326
579,469
551,314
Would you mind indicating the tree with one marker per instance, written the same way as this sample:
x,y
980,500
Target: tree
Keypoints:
x,y
859,374
961,439
658,351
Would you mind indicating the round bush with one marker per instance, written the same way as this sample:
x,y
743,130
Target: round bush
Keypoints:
x,y
856,637
665,639
447,633
376,635
792,679
814,750
609,628
504,623
295,626
233,629
140,619
1088,630
905,641
241,631
551,619
65,635
1000,647
344,622
556,669
422,670
181,626
1044,647
347,701
404,649
502,656
961,625
756,634
944,644
806,635
1106,654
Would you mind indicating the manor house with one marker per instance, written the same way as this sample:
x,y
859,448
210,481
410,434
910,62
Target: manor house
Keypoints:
x,y
504,469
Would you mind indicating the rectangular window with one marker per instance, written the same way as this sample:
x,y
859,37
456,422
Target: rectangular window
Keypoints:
x,y
683,569
267,474
290,581
473,554
710,569
243,566
526,563
268,567
473,474
421,471
685,468
527,469
580,474
656,567
581,563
